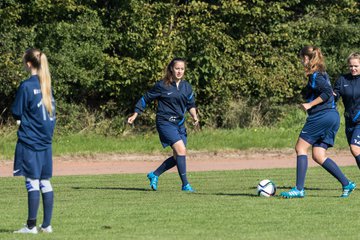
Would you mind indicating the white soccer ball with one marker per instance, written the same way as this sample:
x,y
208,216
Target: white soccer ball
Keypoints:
x,y
266,188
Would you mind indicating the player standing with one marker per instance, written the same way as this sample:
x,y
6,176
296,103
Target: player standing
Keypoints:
x,y
348,88
321,125
175,96
34,107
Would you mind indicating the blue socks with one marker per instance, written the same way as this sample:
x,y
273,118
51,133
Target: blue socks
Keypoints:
x,y
357,158
170,163
33,206
301,168
166,165
334,170
181,165
329,165
48,203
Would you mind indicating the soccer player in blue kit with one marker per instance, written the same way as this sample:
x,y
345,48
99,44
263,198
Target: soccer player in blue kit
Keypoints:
x,y
321,125
175,96
348,88
34,108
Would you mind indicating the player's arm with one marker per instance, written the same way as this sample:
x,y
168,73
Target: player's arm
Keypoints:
x,y
325,90
337,89
147,98
194,116
316,101
17,108
191,107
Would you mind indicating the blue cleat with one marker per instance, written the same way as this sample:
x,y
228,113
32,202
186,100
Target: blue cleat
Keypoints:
x,y
187,188
153,180
348,189
293,193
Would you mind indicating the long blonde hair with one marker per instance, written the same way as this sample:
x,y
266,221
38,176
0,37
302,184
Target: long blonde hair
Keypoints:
x,y
316,59
39,61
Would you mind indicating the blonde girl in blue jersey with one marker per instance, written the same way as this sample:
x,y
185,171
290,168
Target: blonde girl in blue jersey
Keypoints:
x,y
348,88
321,125
34,109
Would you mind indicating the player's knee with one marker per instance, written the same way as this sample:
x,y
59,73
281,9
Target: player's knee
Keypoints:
x,y
181,152
32,184
45,186
319,158
355,150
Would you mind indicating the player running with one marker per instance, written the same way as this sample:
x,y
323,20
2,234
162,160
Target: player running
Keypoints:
x,y
175,96
34,108
348,88
321,125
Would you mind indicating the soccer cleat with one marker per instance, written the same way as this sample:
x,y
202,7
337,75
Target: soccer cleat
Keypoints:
x,y
348,189
25,229
48,229
293,193
153,180
187,188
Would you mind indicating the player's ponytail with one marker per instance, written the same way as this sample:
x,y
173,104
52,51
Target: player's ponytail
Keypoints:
x,y
39,61
316,59
169,71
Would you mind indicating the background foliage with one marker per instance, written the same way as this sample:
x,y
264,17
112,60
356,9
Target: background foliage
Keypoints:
x,y
242,55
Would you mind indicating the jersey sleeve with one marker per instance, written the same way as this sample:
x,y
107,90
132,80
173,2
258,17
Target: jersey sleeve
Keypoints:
x,y
19,105
324,87
337,89
190,99
147,98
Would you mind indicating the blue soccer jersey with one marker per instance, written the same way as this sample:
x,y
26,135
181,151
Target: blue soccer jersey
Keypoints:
x,y
348,88
319,86
37,126
173,101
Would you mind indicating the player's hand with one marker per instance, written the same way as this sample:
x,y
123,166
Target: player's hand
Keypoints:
x,y
305,106
196,122
132,118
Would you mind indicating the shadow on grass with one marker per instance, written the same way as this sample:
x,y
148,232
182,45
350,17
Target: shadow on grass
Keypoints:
x,y
112,188
306,188
6,231
309,188
236,194
228,194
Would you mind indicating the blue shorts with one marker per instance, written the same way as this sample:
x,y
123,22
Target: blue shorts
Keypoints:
x,y
320,128
352,132
32,164
170,133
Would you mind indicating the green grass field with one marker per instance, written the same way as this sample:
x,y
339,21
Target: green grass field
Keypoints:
x,y
225,206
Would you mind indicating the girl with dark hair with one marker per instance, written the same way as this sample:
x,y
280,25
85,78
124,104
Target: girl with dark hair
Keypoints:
x,y
321,125
34,109
175,96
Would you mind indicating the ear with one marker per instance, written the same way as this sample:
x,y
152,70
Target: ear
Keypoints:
x,y
28,65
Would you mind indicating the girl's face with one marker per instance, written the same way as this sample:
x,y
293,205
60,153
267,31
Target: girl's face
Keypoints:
x,y
354,66
179,70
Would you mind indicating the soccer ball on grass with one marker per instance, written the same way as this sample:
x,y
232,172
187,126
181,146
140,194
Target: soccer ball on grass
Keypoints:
x,y
266,188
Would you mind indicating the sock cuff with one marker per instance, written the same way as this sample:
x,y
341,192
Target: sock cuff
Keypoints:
x,y
180,157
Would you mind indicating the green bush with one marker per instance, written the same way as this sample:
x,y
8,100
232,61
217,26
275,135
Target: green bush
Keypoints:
x,y
105,54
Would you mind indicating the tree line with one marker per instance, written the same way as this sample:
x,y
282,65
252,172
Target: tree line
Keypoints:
x,y
241,55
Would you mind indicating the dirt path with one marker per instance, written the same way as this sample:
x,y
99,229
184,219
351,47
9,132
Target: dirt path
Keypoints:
x,y
196,161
